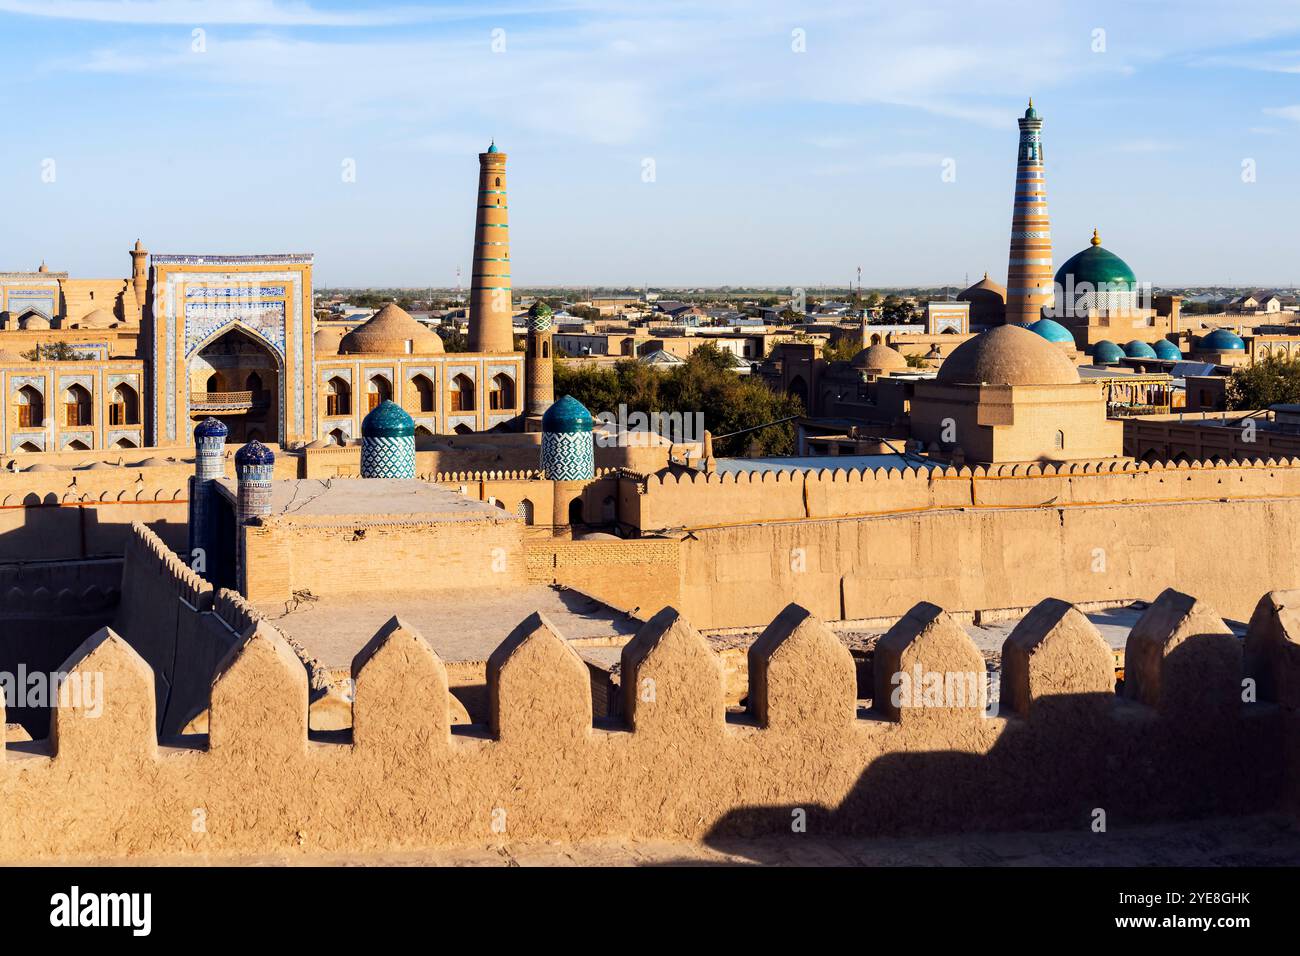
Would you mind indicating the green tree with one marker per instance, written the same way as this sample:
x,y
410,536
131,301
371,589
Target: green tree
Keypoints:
x,y
1273,381
454,340
705,383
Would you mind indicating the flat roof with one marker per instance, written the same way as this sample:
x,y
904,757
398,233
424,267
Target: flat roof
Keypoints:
x,y
817,462
357,497
460,625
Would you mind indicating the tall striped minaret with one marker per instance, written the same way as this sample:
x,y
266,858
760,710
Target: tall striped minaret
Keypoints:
x,y
491,317
1029,270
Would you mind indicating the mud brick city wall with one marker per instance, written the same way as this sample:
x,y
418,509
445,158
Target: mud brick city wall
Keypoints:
x,y
851,546
1179,740
640,573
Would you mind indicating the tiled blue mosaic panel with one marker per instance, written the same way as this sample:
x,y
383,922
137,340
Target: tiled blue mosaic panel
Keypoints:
x,y
388,457
568,456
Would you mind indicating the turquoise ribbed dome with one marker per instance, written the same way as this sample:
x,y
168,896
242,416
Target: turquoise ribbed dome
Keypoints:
x,y
1168,350
1098,267
1139,349
1051,330
387,420
567,416
1221,340
1106,352
492,148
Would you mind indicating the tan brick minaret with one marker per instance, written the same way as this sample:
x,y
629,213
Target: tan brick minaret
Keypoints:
x,y
139,276
1029,270
490,313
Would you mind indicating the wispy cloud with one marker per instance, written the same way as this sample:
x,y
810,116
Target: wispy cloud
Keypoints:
x,y
1285,112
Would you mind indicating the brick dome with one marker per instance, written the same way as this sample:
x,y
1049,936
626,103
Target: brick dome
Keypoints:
x,y
1008,355
880,357
387,332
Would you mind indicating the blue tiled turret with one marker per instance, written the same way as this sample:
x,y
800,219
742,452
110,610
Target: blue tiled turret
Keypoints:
x,y
568,449
254,467
209,463
388,443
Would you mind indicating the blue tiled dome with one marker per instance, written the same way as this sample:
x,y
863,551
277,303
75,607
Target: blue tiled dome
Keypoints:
x,y
1221,340
492,148
1168,350
387,420
567,416
1106,352
540,317
1139,349
254,453
1051,330
211,428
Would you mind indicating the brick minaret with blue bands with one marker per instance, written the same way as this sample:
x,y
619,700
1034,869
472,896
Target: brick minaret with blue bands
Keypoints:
x,y
388,443
568,448
209,464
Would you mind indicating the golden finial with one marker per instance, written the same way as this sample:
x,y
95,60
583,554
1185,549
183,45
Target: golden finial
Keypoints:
x,y
1096,239
1031,102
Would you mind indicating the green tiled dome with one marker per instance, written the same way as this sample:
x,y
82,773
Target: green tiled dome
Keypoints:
x,y
568,415
1139,349
1221,340
1099,268
1051,330
1168,350
387,420
1106,352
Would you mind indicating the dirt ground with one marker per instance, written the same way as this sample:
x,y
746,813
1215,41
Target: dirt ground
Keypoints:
x,y
1268,840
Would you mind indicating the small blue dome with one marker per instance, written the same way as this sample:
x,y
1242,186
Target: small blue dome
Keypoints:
x,y
1106,352
211,428
1221,340
1168,350
1051,330
1139,349
387,420
493,147
254,453
567,416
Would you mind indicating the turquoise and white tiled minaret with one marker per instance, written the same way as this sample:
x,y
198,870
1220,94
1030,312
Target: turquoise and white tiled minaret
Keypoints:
x,y
568,447
254,469
388,443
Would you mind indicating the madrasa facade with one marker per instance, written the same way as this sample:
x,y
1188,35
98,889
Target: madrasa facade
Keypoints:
x,y
90,364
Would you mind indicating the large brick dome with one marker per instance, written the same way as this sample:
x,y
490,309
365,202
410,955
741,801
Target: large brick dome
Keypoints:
x,y
387,332
1008,355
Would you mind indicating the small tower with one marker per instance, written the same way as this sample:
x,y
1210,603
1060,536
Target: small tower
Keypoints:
x,y
491,315
539,364
140,274
209,463
568,459
254,467
387,442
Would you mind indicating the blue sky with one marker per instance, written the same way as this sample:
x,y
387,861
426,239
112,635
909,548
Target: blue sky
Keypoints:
x,y
771,166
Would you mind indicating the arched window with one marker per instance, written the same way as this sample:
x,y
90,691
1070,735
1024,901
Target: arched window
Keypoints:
x,y
422,432
125,443
77,407
525,511
1060,440
28,446
608,510
462,394
31,407
216,382
423,392
254,384
78,445
337,437
338,397
575,511
502,393
379,389
546,348
498,183
124,407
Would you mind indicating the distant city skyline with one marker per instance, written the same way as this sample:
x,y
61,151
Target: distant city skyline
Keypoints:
x,y
673,145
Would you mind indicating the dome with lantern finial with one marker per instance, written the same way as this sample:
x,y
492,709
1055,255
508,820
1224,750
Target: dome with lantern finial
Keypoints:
x,y
1096,280
1031,113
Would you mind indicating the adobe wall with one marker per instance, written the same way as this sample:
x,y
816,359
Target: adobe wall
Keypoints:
x,y
1168,436
333,556
1178,741
638,573
976,538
